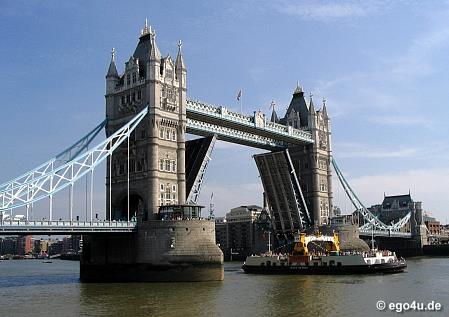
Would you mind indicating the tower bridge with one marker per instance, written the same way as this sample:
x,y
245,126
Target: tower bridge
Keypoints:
x,y
154,175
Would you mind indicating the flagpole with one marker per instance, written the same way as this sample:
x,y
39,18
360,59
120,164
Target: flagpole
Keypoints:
x,y
241,104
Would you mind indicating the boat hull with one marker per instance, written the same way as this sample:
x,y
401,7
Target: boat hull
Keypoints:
x,y
386,268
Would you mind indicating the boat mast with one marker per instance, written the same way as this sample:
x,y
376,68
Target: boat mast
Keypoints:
x,y
269,241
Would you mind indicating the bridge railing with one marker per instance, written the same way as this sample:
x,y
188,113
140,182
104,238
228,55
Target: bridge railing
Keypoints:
x,y
68,223
228,132
384,233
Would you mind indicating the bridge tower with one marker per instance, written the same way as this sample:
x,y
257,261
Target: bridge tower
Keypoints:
x,y
312,162
156,172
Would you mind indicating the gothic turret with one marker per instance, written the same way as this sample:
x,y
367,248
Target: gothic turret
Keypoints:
x,y
112,77
312,113
324,109
311,106
180,67
274,116
179,59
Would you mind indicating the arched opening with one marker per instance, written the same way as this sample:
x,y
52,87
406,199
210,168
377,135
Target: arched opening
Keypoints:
x,y
136,208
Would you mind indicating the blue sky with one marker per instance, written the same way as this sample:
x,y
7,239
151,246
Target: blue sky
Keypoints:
x,y
381,65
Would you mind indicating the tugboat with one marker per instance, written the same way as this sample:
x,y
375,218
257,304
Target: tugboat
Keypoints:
x,y
330,261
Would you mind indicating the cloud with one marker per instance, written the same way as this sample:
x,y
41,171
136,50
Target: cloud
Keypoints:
x,y
402,120
229,196
358,150
322,11
418,60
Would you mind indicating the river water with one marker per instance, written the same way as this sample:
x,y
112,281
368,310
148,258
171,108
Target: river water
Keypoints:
x,y
33,288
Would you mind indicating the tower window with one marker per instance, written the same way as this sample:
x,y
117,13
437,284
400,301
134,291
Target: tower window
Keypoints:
x,y
161,133
173,188
173,136
161,167
134,77
162,188
128,79
134,96
123,100
139,95
167,165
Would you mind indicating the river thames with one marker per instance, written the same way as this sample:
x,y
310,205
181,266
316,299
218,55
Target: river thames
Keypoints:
x,y
33,288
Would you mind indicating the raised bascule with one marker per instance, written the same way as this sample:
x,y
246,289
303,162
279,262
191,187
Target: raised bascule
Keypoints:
x,y
154,230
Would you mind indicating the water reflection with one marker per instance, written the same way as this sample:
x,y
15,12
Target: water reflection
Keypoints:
x,y
149,299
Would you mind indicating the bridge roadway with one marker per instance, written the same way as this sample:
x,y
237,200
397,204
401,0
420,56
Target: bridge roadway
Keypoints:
x,y
255,131
63,227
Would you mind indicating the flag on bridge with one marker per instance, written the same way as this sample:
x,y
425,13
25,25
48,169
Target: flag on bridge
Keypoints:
x,y
239,95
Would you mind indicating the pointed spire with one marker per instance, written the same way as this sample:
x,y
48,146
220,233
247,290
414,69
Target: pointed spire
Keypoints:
x,y
146,29
324,107
274,116
179,59
155,54
298,89
311,106
112,71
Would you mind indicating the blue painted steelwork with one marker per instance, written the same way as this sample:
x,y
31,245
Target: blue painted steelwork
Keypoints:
x,y
233,135
9,227
384,233
51,182
65,156
372,221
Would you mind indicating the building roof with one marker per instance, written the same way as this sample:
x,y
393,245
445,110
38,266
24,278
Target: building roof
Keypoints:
x,y
143,48
401,200
298,105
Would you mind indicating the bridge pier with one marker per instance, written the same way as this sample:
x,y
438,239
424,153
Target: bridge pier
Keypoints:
x,y
160,251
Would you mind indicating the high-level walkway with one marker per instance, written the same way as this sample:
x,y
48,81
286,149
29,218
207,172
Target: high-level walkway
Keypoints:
x,y
255,131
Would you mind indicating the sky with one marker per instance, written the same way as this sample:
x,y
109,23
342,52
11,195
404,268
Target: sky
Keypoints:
x,y
382,66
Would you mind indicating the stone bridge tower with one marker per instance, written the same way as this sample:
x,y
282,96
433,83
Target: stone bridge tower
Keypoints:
x,y
157,146
312,162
